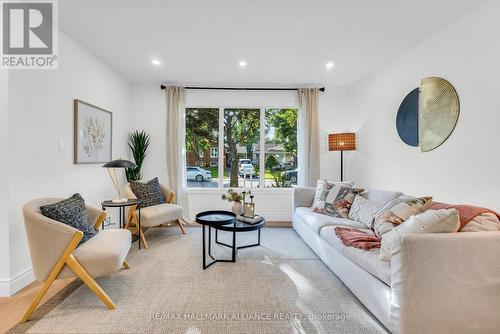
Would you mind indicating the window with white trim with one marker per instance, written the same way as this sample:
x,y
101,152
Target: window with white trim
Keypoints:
x,y
241,147
214,152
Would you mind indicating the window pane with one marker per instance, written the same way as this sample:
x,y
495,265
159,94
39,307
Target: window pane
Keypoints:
x,y
281,148
202,137
241,144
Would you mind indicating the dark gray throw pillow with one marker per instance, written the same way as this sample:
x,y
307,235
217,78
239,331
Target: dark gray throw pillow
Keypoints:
x,y
149,193
71,212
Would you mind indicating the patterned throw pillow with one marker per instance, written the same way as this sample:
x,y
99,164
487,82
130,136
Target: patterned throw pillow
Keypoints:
x,y
149,193
339,200
430,221
397,212
71,212
364,211
322,189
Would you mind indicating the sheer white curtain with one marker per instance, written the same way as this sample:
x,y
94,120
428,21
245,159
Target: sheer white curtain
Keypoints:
x,y
308,137
176,147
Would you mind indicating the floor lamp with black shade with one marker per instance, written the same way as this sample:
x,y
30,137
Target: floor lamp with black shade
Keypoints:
x,y
345,141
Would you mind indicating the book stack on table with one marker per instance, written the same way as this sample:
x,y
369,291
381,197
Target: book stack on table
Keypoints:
x,y
256,219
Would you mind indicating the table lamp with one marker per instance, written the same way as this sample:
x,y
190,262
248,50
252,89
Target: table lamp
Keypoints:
x,y
111,167
342,142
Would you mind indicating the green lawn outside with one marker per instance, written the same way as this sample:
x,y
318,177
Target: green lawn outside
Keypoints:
x,y
215,173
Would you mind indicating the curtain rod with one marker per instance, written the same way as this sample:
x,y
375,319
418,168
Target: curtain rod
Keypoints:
x,y
322,89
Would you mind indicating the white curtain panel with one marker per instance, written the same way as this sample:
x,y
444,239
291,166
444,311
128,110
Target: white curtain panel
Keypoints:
x,y
176,147
308,137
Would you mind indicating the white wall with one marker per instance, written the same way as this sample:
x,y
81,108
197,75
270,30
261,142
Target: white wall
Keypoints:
x,y
4,182
149,114
41,114
465,168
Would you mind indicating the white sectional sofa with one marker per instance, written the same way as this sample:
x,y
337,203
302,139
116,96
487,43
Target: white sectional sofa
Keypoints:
x,y
435,282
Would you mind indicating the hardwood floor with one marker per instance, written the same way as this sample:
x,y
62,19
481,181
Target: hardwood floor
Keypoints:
x,y
12,308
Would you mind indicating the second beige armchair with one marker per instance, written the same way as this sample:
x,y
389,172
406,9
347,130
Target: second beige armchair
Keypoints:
x,y
160,215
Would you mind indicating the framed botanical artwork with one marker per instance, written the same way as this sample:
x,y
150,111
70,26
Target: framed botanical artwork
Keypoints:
x,y
93,133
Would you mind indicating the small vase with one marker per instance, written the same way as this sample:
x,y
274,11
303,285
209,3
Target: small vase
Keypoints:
x,y
236,208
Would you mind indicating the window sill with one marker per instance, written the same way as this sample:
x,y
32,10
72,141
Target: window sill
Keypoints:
x,y
253,190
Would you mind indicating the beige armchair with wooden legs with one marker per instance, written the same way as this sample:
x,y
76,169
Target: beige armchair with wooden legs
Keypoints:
x,y
56,253
161,215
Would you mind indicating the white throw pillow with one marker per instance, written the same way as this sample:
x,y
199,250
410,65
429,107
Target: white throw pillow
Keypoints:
x,y
363,210
430,221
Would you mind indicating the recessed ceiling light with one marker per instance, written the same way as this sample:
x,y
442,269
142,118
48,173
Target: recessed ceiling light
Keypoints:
x,y
330,65
156,62
242,63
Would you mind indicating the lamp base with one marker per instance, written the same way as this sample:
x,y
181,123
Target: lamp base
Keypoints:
x,y
120,200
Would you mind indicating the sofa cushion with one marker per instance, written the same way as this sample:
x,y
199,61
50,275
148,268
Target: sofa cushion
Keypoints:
x,y
316,221
381,196
366,259
160,214
103,254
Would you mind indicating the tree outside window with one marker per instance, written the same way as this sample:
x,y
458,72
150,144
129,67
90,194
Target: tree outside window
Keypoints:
x,y
242,150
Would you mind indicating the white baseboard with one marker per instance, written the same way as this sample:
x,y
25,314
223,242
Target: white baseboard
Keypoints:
x,y
277,217
8,287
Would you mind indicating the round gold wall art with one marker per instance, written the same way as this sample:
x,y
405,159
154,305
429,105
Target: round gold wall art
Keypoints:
x,y
428,114
439,108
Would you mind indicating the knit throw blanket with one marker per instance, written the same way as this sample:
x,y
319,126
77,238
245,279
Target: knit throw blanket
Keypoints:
x,y
352,237
466,212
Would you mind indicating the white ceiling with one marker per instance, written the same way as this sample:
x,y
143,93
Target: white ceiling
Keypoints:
x,y
284,42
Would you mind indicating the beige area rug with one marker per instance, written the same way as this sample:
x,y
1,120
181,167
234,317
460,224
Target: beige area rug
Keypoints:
x,y
280,287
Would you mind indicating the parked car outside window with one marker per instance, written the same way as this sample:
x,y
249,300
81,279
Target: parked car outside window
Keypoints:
x,y
290,175
198,174
244,161
246,170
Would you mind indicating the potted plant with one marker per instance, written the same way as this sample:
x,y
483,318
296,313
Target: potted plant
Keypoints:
x,y
138,143
235,198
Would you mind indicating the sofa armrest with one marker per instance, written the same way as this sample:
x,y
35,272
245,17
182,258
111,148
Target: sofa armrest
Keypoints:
x,y
303,196
446,283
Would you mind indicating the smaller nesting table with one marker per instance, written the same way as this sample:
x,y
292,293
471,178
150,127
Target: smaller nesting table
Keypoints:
x,y
121,206
224,221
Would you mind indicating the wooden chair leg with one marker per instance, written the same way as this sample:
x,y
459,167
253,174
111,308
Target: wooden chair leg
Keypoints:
x,y
126,265
180,225
46,285
130,215
73,263
53,274
143,238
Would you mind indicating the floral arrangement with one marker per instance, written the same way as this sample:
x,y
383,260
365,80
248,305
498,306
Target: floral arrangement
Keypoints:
x,y
234,196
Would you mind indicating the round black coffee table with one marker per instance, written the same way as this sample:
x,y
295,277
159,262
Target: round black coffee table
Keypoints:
x,y
225,221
